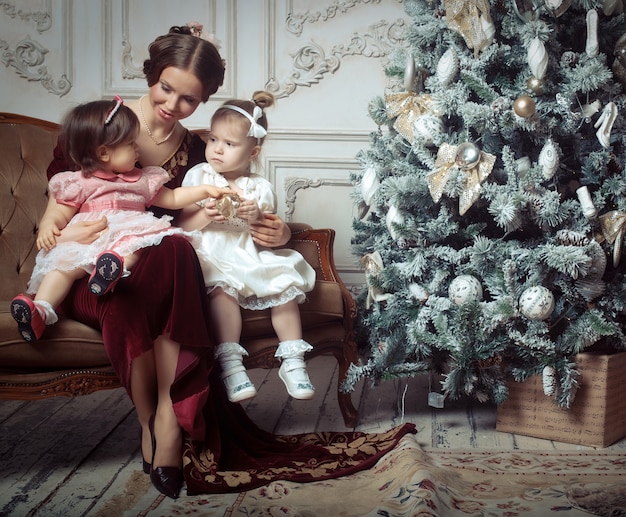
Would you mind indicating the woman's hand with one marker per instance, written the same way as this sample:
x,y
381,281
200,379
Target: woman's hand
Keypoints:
x,y
271,231
84,232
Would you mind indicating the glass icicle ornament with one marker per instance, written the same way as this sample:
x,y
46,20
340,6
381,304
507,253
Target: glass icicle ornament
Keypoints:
x,y
591,46
537,58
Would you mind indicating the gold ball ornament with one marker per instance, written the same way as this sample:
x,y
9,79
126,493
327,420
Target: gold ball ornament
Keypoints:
x,y
524,106
537,86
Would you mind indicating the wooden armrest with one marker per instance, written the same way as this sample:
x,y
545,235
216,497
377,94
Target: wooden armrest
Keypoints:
x,y
316,245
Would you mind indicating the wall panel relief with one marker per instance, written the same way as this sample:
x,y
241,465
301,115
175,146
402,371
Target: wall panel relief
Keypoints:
x,y
317,192
130,27
311,61
27,54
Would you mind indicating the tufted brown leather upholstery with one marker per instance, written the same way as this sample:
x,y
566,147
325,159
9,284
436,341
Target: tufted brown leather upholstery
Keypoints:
x,y
70,358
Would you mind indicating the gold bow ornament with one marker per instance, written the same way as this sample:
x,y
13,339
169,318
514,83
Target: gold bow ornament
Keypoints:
x,y
472,19
407,107
373,264
476,170
613,226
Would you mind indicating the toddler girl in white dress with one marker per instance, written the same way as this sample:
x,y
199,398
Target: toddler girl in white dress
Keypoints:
x,y
237,272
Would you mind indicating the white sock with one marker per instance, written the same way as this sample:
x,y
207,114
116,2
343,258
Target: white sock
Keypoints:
x,y
47,311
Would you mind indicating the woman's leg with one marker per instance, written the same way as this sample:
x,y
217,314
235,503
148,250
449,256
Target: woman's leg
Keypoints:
x,y
143,381
167,432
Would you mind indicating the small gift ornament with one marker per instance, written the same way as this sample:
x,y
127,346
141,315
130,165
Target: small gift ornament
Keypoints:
x,y
475,164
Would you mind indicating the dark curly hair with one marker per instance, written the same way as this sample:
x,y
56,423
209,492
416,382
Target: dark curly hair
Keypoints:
x,y
84,131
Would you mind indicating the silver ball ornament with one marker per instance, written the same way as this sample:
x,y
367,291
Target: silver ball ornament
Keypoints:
x,y
537,86
467,155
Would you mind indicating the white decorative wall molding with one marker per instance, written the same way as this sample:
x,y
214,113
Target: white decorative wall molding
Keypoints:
x,y
321,135
28,56
310,63
42,19
295,21
124,74
293,185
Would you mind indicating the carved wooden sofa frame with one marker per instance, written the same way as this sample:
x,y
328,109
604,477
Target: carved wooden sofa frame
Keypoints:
x,y
70,359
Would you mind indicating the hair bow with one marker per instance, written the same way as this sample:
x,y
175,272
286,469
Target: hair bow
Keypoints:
x,y
256,130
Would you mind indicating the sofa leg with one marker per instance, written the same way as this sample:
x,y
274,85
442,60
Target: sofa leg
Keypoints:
x,y
348,411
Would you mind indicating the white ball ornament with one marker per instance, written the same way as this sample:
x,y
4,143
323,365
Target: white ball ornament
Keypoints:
x,y
465,288
429,129
536,302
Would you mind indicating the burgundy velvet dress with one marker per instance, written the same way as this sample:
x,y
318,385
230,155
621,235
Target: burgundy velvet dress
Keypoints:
x,y
224,450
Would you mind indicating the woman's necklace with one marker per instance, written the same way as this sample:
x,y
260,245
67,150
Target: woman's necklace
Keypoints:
x,y
143,119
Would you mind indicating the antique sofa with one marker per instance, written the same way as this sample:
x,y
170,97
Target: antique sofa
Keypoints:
x,y
70,358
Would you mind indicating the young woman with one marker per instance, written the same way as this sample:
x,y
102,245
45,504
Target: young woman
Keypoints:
x,y
161,357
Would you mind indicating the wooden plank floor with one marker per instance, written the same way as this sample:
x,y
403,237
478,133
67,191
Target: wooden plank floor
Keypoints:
x,y
66,456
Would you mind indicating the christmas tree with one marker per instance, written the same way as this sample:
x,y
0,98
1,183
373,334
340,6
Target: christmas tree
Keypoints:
x,y
492,198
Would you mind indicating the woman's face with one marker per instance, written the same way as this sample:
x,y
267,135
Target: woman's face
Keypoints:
x,y
176,95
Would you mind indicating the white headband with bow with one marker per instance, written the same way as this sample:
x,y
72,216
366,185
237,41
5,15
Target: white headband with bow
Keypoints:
x,y
256,129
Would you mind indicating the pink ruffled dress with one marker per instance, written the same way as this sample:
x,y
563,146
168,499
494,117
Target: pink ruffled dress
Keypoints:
x,y
123,200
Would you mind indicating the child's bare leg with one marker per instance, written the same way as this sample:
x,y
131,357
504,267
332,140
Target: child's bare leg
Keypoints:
x,y
131,259
225,316
286,321
291,350
57,284
32,316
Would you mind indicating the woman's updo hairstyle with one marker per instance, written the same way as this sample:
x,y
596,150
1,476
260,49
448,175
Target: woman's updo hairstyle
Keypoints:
x,y
180,49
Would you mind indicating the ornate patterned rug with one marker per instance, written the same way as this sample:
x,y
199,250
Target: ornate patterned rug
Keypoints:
x,y
409,481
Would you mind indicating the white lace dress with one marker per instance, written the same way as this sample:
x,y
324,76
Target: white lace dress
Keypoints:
x,y
123,201
257,277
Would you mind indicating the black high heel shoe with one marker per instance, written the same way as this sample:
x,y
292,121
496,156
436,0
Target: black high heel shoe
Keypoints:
x,y
167,480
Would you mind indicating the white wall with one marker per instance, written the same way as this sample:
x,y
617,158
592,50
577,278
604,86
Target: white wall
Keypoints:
x,y
322,58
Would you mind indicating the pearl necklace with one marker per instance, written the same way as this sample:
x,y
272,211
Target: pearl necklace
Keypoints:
x,y
143,119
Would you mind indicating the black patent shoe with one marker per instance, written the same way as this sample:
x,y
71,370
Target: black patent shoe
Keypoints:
x,y
167,480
